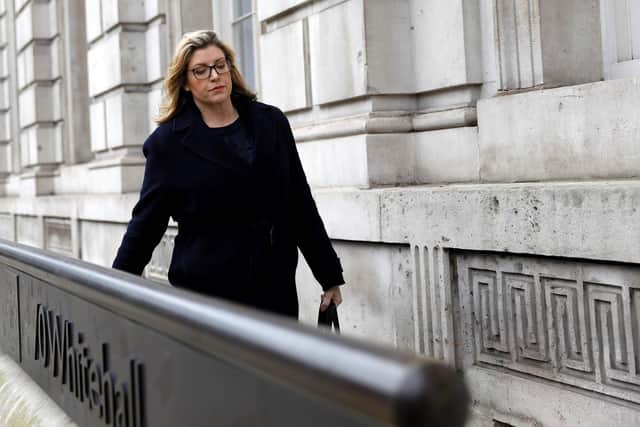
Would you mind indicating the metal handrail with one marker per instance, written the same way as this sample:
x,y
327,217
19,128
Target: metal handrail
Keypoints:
x,y
388,386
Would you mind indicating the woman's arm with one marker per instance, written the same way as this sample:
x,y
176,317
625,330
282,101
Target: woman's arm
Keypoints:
x,y
150,215
311,235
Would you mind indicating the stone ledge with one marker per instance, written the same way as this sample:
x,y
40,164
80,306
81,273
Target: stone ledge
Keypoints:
x,y
518,400
591,220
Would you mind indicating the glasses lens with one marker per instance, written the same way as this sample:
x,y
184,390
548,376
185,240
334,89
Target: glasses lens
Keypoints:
x,y
201,72
222,67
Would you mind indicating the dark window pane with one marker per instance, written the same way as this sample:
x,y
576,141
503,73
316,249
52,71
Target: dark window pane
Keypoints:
x,y
241,8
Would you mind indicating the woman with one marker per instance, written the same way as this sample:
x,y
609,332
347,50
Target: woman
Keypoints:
x,y
225,167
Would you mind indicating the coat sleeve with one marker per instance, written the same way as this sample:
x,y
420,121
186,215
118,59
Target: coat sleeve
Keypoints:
x,y
150,215
310,233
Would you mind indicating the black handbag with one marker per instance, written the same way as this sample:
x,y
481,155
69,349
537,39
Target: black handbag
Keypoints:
x,y
329,318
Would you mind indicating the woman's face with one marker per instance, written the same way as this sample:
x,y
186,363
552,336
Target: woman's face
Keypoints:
x,y
214,89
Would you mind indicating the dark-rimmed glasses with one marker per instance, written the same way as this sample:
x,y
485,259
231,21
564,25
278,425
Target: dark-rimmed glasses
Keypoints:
x,y
202,72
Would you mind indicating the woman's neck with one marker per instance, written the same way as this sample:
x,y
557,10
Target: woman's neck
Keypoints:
x,y
217,115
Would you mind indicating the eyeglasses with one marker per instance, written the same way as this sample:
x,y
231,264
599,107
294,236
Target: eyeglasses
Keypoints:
x,y
202,72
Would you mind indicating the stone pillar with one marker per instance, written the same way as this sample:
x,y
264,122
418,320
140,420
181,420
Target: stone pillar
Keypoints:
x,y
547,42
6,56
39,84
77,147
127,59
370,91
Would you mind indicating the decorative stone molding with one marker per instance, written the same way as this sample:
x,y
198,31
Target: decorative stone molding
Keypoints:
x,y
536,47
567,321
432,303
57,235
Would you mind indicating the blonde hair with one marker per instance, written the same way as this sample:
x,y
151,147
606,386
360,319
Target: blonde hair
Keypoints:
x,y
175,95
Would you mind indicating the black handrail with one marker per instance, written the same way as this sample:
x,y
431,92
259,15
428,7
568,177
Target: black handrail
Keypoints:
x,y
383,385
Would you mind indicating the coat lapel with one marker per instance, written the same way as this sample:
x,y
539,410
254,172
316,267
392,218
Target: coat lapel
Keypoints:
x,y
187,124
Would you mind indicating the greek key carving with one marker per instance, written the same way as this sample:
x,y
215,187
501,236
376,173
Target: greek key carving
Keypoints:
x,y
572,322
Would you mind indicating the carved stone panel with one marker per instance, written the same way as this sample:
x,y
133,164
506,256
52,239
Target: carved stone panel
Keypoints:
x,y
433,318
29,230
572,322
57,234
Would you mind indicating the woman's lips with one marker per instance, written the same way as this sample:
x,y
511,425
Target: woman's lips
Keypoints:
x,y
216,88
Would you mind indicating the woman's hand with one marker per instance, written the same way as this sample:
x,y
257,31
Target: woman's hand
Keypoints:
x,y
331,294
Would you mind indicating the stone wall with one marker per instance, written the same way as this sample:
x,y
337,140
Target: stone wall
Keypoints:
x,y
474,162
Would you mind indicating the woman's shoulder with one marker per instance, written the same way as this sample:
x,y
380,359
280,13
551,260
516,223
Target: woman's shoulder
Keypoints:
x,y
159,140
269,110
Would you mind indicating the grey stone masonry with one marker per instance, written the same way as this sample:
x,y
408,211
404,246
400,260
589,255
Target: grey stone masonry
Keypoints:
x,y
126,61
6,75
40,98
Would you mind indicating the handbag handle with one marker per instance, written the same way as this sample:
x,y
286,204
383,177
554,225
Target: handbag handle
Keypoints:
x,y
329,317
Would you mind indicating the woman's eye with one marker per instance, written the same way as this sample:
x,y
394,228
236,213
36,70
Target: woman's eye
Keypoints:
x,y
200,71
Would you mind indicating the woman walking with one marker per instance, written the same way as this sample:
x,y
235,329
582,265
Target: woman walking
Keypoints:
x,y
226,168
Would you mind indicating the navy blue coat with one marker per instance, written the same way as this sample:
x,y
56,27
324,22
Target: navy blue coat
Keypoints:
x,y
239,226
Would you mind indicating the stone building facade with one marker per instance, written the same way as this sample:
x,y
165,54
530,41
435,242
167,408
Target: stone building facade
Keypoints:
x,y
475,161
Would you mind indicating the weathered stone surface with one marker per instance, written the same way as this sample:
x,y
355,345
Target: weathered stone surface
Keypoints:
x,y
39,61
517,401
436,24
376,298
269,8
125,117
41,144
29,230
337,57
579,132
37,104
156,51
98,126
100,241
584,220
93,20
448,155
115,12
5,126
116,59
286,78
361,160
35,21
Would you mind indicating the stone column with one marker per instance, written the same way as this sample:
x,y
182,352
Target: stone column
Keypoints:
x,y
6,134
547,42
127,59
39,85
370,91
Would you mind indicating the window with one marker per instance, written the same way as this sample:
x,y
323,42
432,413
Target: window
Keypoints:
x,y
244,39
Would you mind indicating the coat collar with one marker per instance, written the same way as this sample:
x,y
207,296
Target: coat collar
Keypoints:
x,y
186,122
188,114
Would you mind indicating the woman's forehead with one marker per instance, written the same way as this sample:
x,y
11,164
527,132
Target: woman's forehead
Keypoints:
x,y
206,55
